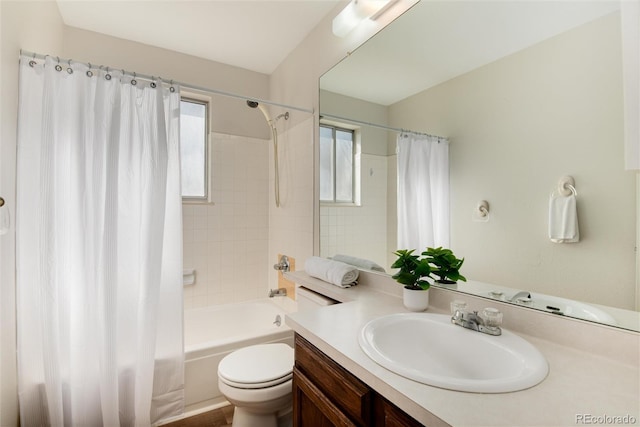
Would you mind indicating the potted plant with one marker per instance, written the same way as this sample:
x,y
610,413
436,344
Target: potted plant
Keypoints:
x,y
444,265
413,272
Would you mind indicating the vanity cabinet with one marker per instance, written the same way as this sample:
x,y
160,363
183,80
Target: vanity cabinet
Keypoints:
x,y
325,394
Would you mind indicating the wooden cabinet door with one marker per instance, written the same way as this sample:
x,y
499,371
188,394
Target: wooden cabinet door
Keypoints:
x,y
311,408
347,393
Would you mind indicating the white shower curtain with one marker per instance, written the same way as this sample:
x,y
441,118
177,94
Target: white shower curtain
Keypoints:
x,y
99,258
423,191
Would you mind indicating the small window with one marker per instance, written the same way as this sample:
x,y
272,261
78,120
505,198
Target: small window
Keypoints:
x,y
194,149
336,164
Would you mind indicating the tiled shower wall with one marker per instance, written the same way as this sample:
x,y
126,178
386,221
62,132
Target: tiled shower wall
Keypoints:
x,y
291,225
227,242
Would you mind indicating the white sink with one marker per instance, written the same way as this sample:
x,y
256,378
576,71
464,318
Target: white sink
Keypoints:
x,y
428,348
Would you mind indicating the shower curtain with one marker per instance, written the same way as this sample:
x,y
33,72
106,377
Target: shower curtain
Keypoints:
x,y
423,191
99,248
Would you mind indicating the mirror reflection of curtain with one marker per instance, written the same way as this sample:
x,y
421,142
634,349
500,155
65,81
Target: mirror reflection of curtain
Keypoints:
x,y
99,238
423,191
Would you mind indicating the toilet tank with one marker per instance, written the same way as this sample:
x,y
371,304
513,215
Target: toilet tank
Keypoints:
x,y
309,300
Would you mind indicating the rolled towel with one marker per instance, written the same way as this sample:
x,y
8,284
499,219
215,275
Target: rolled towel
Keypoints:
x,y
358,262
563,219
334,272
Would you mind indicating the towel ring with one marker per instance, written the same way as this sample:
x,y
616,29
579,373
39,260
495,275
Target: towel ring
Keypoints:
x,y
567,186
483,209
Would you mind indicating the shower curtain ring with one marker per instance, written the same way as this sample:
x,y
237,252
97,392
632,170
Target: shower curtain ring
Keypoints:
x,y
171,88
153,82
33,62
69,69
89,72
58,66
134,81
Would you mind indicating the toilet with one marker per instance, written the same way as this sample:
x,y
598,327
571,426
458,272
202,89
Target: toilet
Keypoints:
x,y
257,380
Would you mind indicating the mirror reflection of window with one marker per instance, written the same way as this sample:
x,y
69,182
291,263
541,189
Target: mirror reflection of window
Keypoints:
x,y
336,164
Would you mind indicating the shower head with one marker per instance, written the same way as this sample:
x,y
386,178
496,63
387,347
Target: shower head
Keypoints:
x,y
256,104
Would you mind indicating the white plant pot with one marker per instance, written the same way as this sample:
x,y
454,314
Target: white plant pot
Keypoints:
x,y
415,300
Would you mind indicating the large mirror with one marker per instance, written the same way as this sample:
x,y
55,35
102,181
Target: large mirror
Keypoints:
x,y
526,93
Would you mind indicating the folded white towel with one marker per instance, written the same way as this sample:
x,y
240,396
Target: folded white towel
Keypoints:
x,y
563,219
358,262
334,272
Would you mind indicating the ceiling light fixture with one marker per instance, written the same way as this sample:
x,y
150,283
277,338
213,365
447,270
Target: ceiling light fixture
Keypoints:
x,y
356,12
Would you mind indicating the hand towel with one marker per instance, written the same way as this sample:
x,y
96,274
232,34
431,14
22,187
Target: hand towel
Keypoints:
x,y
334,272
563,219
358,262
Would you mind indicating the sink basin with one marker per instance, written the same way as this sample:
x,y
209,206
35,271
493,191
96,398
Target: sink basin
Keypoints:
x,y
428,348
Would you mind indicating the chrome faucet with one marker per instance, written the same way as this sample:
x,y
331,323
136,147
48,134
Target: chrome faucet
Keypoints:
x,y
473,321
283,264
280,292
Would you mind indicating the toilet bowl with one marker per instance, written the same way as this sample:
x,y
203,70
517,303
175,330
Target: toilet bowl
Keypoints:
x,y
257,380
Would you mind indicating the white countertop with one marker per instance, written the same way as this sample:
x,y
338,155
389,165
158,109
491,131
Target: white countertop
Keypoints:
x,y
579,383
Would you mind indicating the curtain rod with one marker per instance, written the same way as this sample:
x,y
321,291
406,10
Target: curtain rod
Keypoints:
x,y
181,84
375,125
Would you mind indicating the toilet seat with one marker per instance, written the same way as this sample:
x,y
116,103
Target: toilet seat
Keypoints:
x,y
258,366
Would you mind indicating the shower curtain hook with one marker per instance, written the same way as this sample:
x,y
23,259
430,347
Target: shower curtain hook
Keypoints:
x,y
58,66
133,80
171,88
89,72
153,82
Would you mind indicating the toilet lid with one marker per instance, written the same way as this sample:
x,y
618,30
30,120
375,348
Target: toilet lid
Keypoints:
x,y
261,365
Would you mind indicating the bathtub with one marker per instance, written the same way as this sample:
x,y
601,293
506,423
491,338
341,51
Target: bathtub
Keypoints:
x,y
210,333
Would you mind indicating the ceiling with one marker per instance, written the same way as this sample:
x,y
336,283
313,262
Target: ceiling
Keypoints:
x,y
253,34
431,43
436,41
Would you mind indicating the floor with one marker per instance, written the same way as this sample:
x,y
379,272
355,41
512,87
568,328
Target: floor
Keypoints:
x,y
221,417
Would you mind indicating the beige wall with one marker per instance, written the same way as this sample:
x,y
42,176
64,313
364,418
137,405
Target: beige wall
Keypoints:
x,y
516,126
34,26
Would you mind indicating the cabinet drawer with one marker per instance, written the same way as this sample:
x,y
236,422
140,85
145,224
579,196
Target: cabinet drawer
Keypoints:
x,y
345,391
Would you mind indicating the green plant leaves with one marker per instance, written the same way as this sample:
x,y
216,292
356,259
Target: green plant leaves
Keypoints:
x,y
415,269
412,269
447,266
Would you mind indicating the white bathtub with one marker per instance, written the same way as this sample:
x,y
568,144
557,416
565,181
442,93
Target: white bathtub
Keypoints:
x,y
210,333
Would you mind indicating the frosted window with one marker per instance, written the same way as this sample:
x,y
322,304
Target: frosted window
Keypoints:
x,y
344,166
326,164
193,148
336,165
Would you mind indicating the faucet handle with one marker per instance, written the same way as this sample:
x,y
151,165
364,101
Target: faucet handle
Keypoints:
x,y
492,317
458,305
